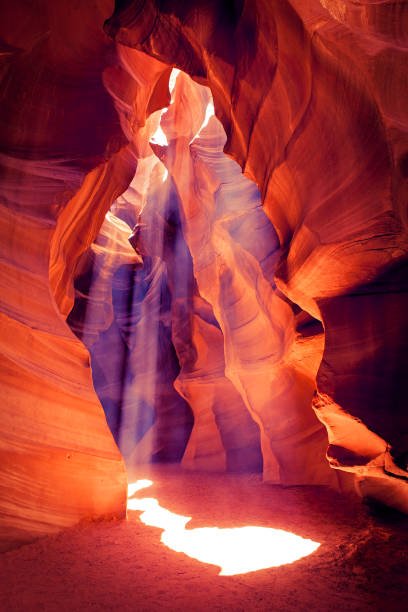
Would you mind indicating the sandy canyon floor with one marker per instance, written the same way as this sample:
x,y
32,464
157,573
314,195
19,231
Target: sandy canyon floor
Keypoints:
x,y
361,564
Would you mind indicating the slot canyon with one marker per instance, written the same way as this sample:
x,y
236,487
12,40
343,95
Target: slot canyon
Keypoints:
x,y
204,329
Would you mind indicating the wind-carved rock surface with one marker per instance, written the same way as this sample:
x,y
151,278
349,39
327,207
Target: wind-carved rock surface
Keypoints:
x,y
310,96
234,250
204,242
63,163
151,318
58,460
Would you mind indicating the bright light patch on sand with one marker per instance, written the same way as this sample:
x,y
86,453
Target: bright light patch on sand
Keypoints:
x,y
139,484
237,550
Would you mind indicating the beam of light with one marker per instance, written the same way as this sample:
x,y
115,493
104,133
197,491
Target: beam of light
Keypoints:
x,y
235,550
117,223
159,137
209,112
172,81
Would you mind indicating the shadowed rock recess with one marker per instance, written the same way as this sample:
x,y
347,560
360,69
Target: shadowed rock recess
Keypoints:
x,y
204,249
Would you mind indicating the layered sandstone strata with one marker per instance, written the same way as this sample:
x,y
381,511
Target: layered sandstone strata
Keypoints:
x,y
312,98
63,163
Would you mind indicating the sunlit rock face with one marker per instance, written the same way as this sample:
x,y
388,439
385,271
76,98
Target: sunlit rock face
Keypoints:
x,y
63,163
58,462
234,251
168,365
254,334
199,312
311,98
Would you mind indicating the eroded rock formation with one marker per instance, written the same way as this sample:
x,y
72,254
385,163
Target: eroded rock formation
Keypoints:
x,y
304,93
245,324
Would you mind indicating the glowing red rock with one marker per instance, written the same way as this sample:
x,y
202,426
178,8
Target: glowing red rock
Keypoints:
x,y
63,164
303,92
312,97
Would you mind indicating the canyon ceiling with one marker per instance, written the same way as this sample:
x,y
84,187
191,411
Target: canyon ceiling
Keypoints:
x,y
237,329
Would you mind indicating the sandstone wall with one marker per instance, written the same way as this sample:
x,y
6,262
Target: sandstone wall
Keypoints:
x,y
311,98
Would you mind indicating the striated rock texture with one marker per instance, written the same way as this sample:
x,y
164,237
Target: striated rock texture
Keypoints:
x,y
311,96
263,333
58,461
63,163
234,250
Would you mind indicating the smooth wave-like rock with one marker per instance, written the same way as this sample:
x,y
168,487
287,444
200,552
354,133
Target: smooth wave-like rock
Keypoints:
x,y
304,93
64,160
269,314
234,250
151,317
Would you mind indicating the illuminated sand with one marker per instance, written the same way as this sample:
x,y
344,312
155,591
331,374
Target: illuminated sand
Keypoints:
x,y
237,550
122,565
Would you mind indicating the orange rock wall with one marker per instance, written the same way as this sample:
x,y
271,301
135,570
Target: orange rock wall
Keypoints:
x,y
234,251
63,163
58,462
312,97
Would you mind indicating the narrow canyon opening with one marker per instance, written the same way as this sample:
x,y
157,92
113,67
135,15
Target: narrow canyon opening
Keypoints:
x,y
168,301
177,305
162,320
145,309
